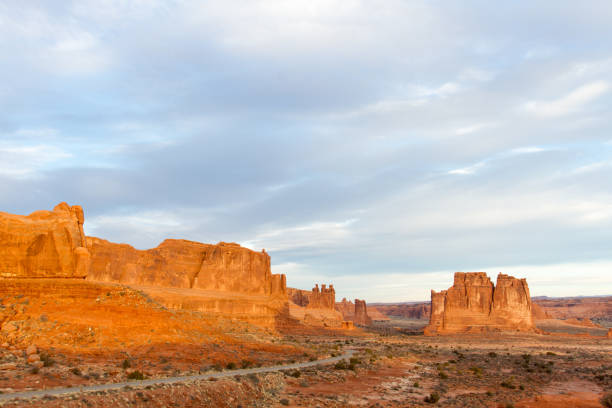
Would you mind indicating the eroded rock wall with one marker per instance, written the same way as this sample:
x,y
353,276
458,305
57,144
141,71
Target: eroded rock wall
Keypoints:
x,y
186,264
44,244
473,303
361,313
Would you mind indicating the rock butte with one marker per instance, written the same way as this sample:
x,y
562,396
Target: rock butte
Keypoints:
x,y
356,312
315,307
474,304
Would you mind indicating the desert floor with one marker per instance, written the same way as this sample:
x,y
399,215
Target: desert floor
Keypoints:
x,y
389,369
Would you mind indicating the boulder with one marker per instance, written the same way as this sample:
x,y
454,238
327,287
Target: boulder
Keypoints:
x,y
474,304
33,357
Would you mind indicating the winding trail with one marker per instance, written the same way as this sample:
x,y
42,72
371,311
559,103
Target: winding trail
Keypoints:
x,y
55,392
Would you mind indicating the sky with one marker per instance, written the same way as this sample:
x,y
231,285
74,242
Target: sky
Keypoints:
x,y
376,145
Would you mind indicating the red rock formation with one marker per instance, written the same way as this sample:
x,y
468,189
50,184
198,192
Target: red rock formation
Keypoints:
x,y
357,312
376,315
417,310
44,244
348,325
361,313
474,304
610,333
538,312
322,299
347,309
577,307
437,312
186,264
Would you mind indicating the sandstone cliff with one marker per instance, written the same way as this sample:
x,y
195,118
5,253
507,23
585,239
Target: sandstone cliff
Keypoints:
x,y
186,264
44,244
361,313
473,303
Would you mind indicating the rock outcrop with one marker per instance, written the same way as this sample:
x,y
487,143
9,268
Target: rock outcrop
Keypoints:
x,y
44,244
474,304
412,310
315,307
361,313
376,315
356,312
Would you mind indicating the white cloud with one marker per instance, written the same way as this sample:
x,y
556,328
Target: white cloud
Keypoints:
x,y
469,170
315,234
20,161
572,102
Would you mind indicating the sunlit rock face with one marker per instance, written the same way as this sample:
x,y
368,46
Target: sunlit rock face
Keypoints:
x,y
361,313
315,307
474,304
224,267
44,244
356,312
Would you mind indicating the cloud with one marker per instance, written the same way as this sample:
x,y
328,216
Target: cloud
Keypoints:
x,y
570,103
359,143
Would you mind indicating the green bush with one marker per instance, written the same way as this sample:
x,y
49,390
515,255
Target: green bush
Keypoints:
x,y
126,364
606,401
135,375
46,359
432,398
231,365
341,365
76,371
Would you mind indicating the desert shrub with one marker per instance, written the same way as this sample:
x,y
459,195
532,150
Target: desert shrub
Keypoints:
x,y
550,353
443,375
476,370
341,365
246,363
46,359
284,401
34,370
432,398
135,375
76,371
522,387
416,384
231,365
296,374
492,354
606,401
126,364
508,384
489,393
355,361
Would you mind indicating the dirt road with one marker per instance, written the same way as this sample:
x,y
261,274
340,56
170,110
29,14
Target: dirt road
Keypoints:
x,y
168,380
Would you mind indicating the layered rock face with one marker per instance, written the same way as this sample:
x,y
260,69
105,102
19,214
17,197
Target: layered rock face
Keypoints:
x,y
44,244
356,312
361,313
420,310
315,307
324,298
186,264
473,303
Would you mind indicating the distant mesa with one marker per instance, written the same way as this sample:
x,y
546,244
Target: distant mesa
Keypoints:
x,y
474,304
